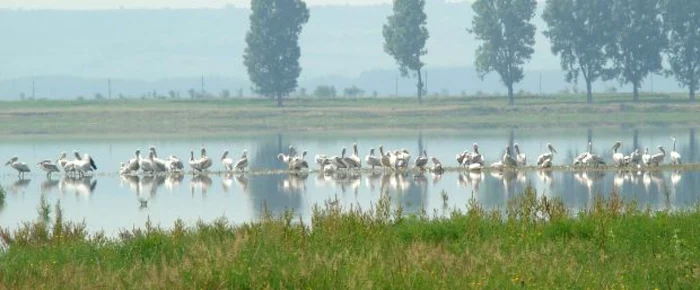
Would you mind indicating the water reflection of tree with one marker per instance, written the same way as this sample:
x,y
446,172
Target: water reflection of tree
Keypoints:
x,y
263,189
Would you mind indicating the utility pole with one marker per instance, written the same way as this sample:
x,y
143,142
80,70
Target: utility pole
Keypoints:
x,y
109,88
202,85
426,82
397,87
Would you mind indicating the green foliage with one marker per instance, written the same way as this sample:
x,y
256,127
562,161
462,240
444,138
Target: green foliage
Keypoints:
x,y
507,38
640,39
611,245
272,52
325,92
405,35
581,32
353,92
3,194
682,22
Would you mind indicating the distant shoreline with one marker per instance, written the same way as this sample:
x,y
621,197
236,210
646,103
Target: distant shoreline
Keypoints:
x,y
173,118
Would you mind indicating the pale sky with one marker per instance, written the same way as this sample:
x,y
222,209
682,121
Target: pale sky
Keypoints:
x,y
153,4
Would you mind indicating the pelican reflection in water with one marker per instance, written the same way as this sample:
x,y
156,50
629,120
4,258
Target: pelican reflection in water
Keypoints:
x,y
228,179
294,183
80,186
201,183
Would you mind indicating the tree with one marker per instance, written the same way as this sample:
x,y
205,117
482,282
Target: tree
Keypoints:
x,y
353,92
503,27
325,92
272,52
405,34
581,32
681,20
639,40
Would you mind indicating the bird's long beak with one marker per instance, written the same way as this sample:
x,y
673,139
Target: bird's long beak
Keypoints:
x,y
8,162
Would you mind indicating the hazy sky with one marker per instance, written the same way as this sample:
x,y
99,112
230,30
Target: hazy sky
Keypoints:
x,y
112,4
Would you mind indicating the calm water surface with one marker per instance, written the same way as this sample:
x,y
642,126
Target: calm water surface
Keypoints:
x,y
109,202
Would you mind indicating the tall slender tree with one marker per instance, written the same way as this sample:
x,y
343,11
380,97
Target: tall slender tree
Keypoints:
x,y
639,41
272,52
507,36
405,35
581,32
682,19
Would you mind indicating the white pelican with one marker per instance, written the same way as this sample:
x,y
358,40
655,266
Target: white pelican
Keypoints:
x,y
242,163
646,157
592,159
124,169
658,158
546,156
204,161
520,158
353,161
475,166
174,164
461,157
82,165
547,163
194,164
147,165
476,157
675,156
158,163
507,159
372,160
339,162
405,155
422,160
21,167
62,160
292,152
322,160
356,156
437,166
634,158
299,162
133,163
227,161
385,159
617,157
48,167
284,158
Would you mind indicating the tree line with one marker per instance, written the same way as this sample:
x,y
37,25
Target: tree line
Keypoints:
x,y
624,40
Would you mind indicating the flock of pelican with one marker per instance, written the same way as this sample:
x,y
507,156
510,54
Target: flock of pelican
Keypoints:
x,y
152,165
77,167
395,160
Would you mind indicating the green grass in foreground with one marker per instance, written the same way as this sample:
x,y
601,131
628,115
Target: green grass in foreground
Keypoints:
x,y
533,243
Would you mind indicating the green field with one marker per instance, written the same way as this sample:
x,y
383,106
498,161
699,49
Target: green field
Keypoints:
x,y
136,118
531,244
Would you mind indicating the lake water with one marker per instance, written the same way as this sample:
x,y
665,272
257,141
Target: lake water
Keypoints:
x,y
109,202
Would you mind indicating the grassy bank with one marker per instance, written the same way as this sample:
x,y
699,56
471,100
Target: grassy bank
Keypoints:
x,y
252,116
533,243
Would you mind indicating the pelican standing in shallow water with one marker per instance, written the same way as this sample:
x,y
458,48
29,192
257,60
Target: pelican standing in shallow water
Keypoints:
x,y
242,163
174,164
646,157
546,156
133,163
658,158
227,161
204,161
617,157
592,159
507,159
48,167
675,156
384,158
422,160
21,167
520,158
194,164
372,160
437,166
62,160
